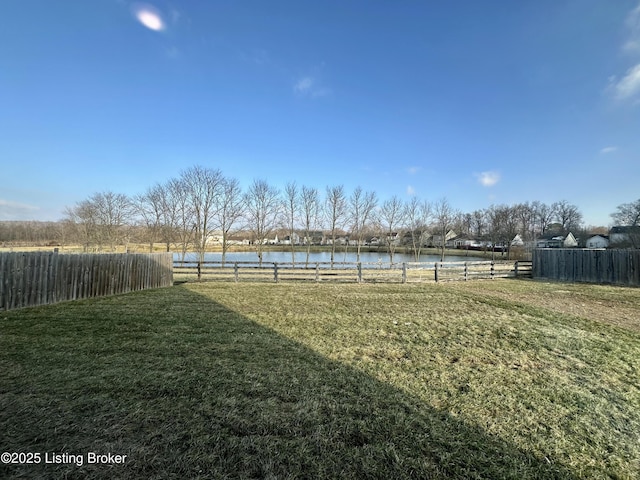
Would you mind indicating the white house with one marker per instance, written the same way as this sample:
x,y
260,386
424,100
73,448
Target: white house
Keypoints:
x,y
570,241
517,241
214,237
557,241
597,241
374,241
466,243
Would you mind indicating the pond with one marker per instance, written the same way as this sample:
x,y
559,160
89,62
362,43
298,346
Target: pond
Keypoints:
x,y
271,257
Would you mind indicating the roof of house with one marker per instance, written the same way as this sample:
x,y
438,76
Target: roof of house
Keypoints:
x,y
625,229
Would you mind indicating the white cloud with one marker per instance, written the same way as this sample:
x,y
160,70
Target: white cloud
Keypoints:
x,y
628,86
311,87
413,170
303,85
488,179
149,16
411,191
606,150
14,210
632,45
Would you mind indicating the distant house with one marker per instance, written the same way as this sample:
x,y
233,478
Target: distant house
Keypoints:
x,y
238,240
214,238
314,237
597,241
374,241
217,238
517,241
291,239
273,241
559,241
394,238
625,236
340,240
421,238
466,243
436,240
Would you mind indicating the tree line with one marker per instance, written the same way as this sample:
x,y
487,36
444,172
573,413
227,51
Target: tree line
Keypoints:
x,y
184,212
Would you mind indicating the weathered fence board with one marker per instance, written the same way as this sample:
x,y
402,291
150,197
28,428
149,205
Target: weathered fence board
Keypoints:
x,y
619,267
40,278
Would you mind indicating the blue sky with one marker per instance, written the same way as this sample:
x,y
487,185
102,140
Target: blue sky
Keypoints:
x,y
480,102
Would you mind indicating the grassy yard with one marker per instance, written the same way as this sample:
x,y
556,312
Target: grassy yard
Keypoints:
x,y
486,379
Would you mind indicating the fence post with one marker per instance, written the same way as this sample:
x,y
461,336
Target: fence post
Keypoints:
x,y
235,271
359,272
275,272
317,272
515,269
492,269
436,272
466,271
199,270
404,272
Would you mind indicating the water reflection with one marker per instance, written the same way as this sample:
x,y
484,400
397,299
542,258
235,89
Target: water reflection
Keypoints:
x,y
381,258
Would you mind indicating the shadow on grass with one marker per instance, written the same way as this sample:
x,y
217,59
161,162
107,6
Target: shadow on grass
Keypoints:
x,y
186,388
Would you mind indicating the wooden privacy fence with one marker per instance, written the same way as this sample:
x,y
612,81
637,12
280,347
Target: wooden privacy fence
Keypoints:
x,y
40,278
620,267
350,271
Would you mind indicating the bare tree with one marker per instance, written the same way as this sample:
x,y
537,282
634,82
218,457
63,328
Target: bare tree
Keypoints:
x,y
503,226
627,214
463,223
479,223
362,208
567,215
203,187
391,217
527,217
102,219
335,212
417,215
545,214
178,226
310,203
114,211
230,210
291,208
149,206
496,220
444,216
262,203
82,222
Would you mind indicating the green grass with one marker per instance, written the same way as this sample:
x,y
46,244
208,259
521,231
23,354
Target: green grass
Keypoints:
x,y
502,379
